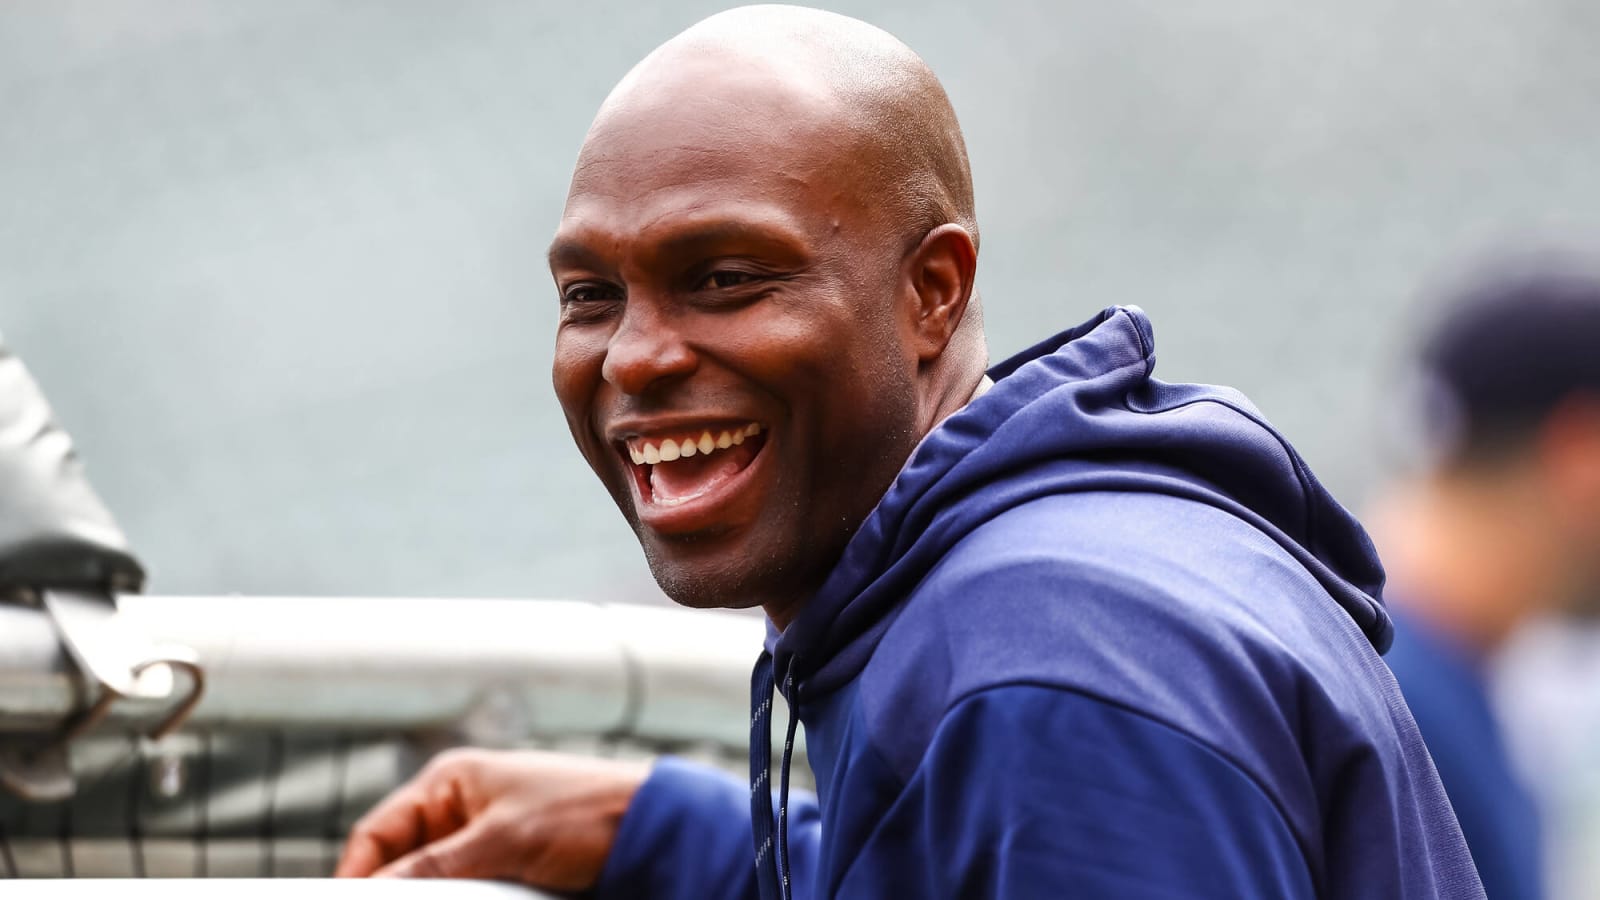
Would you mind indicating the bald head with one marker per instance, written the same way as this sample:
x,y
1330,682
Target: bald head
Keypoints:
x,y
792,76
769,238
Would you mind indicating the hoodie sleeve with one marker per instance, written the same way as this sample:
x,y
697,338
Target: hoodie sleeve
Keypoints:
x,y
687,836
1028,791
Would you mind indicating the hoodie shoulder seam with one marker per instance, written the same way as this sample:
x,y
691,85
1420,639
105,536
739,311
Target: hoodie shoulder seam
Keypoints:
x,y
1301,474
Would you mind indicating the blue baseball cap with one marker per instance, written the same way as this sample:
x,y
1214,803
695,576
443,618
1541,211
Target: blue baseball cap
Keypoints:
x,y
1512,345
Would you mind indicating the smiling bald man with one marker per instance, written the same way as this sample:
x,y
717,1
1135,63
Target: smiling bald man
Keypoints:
x,y
1053,629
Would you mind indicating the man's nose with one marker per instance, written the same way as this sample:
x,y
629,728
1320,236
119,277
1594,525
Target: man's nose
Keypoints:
x,y
646,351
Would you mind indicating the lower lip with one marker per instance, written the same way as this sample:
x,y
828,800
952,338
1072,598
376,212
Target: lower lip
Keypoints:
x,y
705,512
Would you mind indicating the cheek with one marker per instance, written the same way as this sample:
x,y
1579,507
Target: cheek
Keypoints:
x,y
854,398
575,371
843,333
575,374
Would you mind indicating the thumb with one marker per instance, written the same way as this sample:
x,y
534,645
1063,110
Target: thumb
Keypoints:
x,y
476,851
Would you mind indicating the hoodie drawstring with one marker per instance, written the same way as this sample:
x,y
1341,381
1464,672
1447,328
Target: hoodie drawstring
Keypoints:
x,y
761,688
793,698
772,853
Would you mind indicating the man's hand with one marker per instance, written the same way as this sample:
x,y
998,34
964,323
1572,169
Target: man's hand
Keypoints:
x,y
542,819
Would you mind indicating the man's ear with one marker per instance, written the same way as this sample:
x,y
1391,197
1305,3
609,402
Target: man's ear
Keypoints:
x,y
1569,449
940,274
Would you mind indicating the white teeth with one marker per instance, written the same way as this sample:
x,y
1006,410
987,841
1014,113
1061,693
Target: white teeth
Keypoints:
x,y
646,453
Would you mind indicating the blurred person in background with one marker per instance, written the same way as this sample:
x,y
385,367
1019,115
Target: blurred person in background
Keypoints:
x,y
1499,526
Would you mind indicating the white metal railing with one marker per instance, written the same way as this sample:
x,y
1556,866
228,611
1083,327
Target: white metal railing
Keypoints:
x,y
499,669
315,707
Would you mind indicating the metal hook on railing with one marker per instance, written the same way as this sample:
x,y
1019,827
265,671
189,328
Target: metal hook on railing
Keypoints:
x,y
175,657
124,664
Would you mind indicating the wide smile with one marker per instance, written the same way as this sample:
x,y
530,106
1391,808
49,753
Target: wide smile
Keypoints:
x,y
686,477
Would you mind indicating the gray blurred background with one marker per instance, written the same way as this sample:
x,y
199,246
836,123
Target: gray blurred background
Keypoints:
x,y
280,264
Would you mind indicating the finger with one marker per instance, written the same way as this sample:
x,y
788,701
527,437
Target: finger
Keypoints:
x,y
398,824
476,851
362,856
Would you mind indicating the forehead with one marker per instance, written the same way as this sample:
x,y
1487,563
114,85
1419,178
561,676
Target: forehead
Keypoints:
x,y
705,145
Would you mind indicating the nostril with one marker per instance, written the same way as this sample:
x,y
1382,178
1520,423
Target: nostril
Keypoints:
x,y
641,378
641,356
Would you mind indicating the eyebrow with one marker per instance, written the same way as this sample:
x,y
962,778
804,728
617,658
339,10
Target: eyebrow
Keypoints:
x,y
574,251
569,252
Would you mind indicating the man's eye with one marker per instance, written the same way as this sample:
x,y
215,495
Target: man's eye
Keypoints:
x,y
588,293
726,278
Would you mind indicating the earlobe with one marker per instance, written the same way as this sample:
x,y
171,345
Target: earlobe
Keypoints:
x,y
941,273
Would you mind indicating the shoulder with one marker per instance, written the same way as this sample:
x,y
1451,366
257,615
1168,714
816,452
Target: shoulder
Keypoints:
x,y
1174,611
1152,809
1103,592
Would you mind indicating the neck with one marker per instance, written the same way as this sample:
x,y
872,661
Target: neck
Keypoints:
x,y
1467,559
783,611
958,389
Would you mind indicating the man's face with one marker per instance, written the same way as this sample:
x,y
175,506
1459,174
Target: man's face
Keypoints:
x,y
729,355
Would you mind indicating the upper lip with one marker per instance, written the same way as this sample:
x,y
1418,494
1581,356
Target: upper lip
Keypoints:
x,y
666,426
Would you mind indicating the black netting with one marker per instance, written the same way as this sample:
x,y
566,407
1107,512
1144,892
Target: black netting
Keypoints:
x,y
258,803
251,803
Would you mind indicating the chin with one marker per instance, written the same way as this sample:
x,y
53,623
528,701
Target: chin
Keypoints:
x,y
721,580
697,588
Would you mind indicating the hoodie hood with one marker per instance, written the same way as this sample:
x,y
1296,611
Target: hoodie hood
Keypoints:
x,y
1078,412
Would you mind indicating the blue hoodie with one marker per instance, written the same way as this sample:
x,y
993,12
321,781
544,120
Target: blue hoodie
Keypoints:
x,y
1104,637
